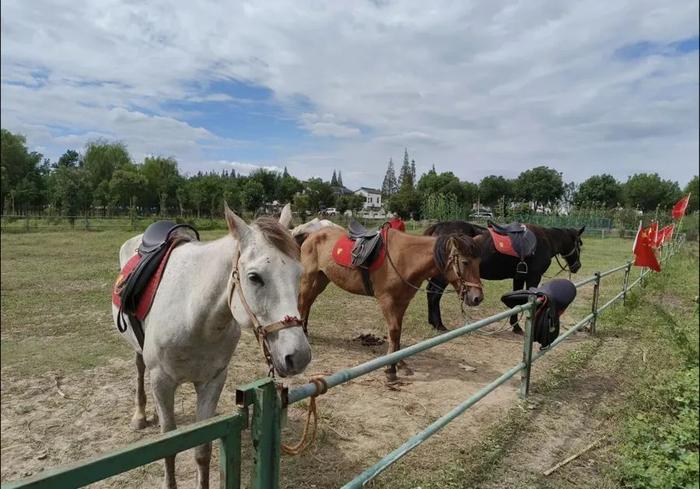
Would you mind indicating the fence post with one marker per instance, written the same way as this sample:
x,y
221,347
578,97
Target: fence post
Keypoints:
x,y
230,459
594,304
265,431
527,348
626,281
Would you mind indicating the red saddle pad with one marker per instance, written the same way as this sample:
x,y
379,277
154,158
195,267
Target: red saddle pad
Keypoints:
x,y
342,252
503,243
149,293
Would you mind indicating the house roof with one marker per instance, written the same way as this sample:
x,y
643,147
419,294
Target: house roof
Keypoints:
x,y
369,190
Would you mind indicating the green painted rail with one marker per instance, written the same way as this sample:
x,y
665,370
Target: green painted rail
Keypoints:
x,y
227,428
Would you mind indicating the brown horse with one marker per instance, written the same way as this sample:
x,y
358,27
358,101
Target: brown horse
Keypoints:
x,y
410,260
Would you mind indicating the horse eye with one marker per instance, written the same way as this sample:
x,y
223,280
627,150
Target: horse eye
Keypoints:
x,y
256,279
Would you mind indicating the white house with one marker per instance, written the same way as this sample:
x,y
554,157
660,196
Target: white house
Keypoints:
x,y
372,207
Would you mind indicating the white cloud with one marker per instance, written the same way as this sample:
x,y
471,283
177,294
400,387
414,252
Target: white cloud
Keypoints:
x,y
474,87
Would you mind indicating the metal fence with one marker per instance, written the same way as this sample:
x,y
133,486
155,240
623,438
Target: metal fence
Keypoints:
x,y
270,400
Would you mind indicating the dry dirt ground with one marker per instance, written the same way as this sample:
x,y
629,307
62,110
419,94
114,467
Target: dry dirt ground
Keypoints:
x,y
53,415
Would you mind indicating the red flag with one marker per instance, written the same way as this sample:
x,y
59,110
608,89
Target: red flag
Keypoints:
x,y
643,252
665,234
654,234
680,207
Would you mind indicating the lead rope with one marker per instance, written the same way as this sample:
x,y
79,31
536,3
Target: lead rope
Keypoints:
x,y
308,436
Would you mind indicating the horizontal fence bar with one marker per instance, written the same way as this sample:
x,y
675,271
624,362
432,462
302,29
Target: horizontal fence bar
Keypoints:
x,y
613,270
414,441
610,302
308,390
135,455
585,281
564,336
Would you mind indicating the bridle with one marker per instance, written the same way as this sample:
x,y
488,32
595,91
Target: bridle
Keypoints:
x,y
453,260
261,332
567,267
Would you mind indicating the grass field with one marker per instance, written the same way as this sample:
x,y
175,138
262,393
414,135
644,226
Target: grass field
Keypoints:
x,y
56,328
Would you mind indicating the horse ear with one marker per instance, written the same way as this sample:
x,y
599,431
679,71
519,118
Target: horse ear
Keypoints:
x,y
236,226
580,231
286,216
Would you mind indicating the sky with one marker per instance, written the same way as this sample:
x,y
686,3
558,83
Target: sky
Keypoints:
x,y
472,87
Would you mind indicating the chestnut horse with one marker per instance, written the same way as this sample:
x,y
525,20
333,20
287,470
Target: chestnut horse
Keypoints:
x,y
410,260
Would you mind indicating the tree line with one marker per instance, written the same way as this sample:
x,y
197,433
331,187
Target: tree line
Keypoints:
x,y
535,190
105,179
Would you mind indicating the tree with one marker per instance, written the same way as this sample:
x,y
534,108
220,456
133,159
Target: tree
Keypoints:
x,y
269,181
406,175
252,195
320,194
334,180
127,186
288,187
23,182
285,173
647,191
70,158
540,185
413,171
102,158
389,186
493,188
599,189
349,202
70,192
693,188
406,203
162,177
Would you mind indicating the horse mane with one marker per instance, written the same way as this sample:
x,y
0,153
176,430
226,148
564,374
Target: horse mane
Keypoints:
x,y
455,227
278,236
465,246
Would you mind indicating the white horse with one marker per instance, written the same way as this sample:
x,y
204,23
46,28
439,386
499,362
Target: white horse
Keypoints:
x,y
300,232
208,292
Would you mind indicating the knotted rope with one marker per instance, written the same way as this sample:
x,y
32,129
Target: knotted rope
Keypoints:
x,y
308,436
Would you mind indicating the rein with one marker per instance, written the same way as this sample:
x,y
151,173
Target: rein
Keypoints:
x,y
261,332
452,260
566,268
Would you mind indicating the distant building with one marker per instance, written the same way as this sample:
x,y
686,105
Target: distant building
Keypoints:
x,y
372,207
341,190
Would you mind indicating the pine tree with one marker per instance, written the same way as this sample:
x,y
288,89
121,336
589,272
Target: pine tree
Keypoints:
x,y
334,180
389,185
285,173
405,176
340,179
413,171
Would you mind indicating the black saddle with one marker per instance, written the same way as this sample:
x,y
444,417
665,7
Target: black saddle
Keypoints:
x,y
155,242
556,296
367,245
523,239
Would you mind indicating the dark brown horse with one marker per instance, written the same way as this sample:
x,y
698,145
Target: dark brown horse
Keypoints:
x,y
410,260
497,266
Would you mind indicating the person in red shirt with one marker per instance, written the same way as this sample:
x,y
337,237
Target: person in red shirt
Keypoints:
x,y
397,223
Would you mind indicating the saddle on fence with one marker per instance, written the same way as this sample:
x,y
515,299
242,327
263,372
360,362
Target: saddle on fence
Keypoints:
x,y
362,249
137,283
514,239
556,295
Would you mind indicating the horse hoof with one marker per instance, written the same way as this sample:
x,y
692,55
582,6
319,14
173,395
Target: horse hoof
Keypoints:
x,y
518,330
441,328
138,423
391,377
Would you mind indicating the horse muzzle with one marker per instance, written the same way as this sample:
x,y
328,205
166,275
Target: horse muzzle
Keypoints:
x,y
472,294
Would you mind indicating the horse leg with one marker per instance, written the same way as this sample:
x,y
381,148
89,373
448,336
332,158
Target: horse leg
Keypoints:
x,y
138,420
435,287
164,395
207,398
518,284
312,284
393,313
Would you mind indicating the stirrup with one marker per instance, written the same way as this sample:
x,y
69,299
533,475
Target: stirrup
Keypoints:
x,y
521,268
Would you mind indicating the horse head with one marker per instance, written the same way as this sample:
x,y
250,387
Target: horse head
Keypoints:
x,y
461,268
264,289
571,248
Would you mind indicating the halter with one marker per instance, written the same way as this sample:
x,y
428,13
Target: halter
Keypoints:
x,y
453,260
576,248
261,332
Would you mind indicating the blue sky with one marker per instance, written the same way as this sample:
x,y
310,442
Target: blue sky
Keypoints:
x,y
470,87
